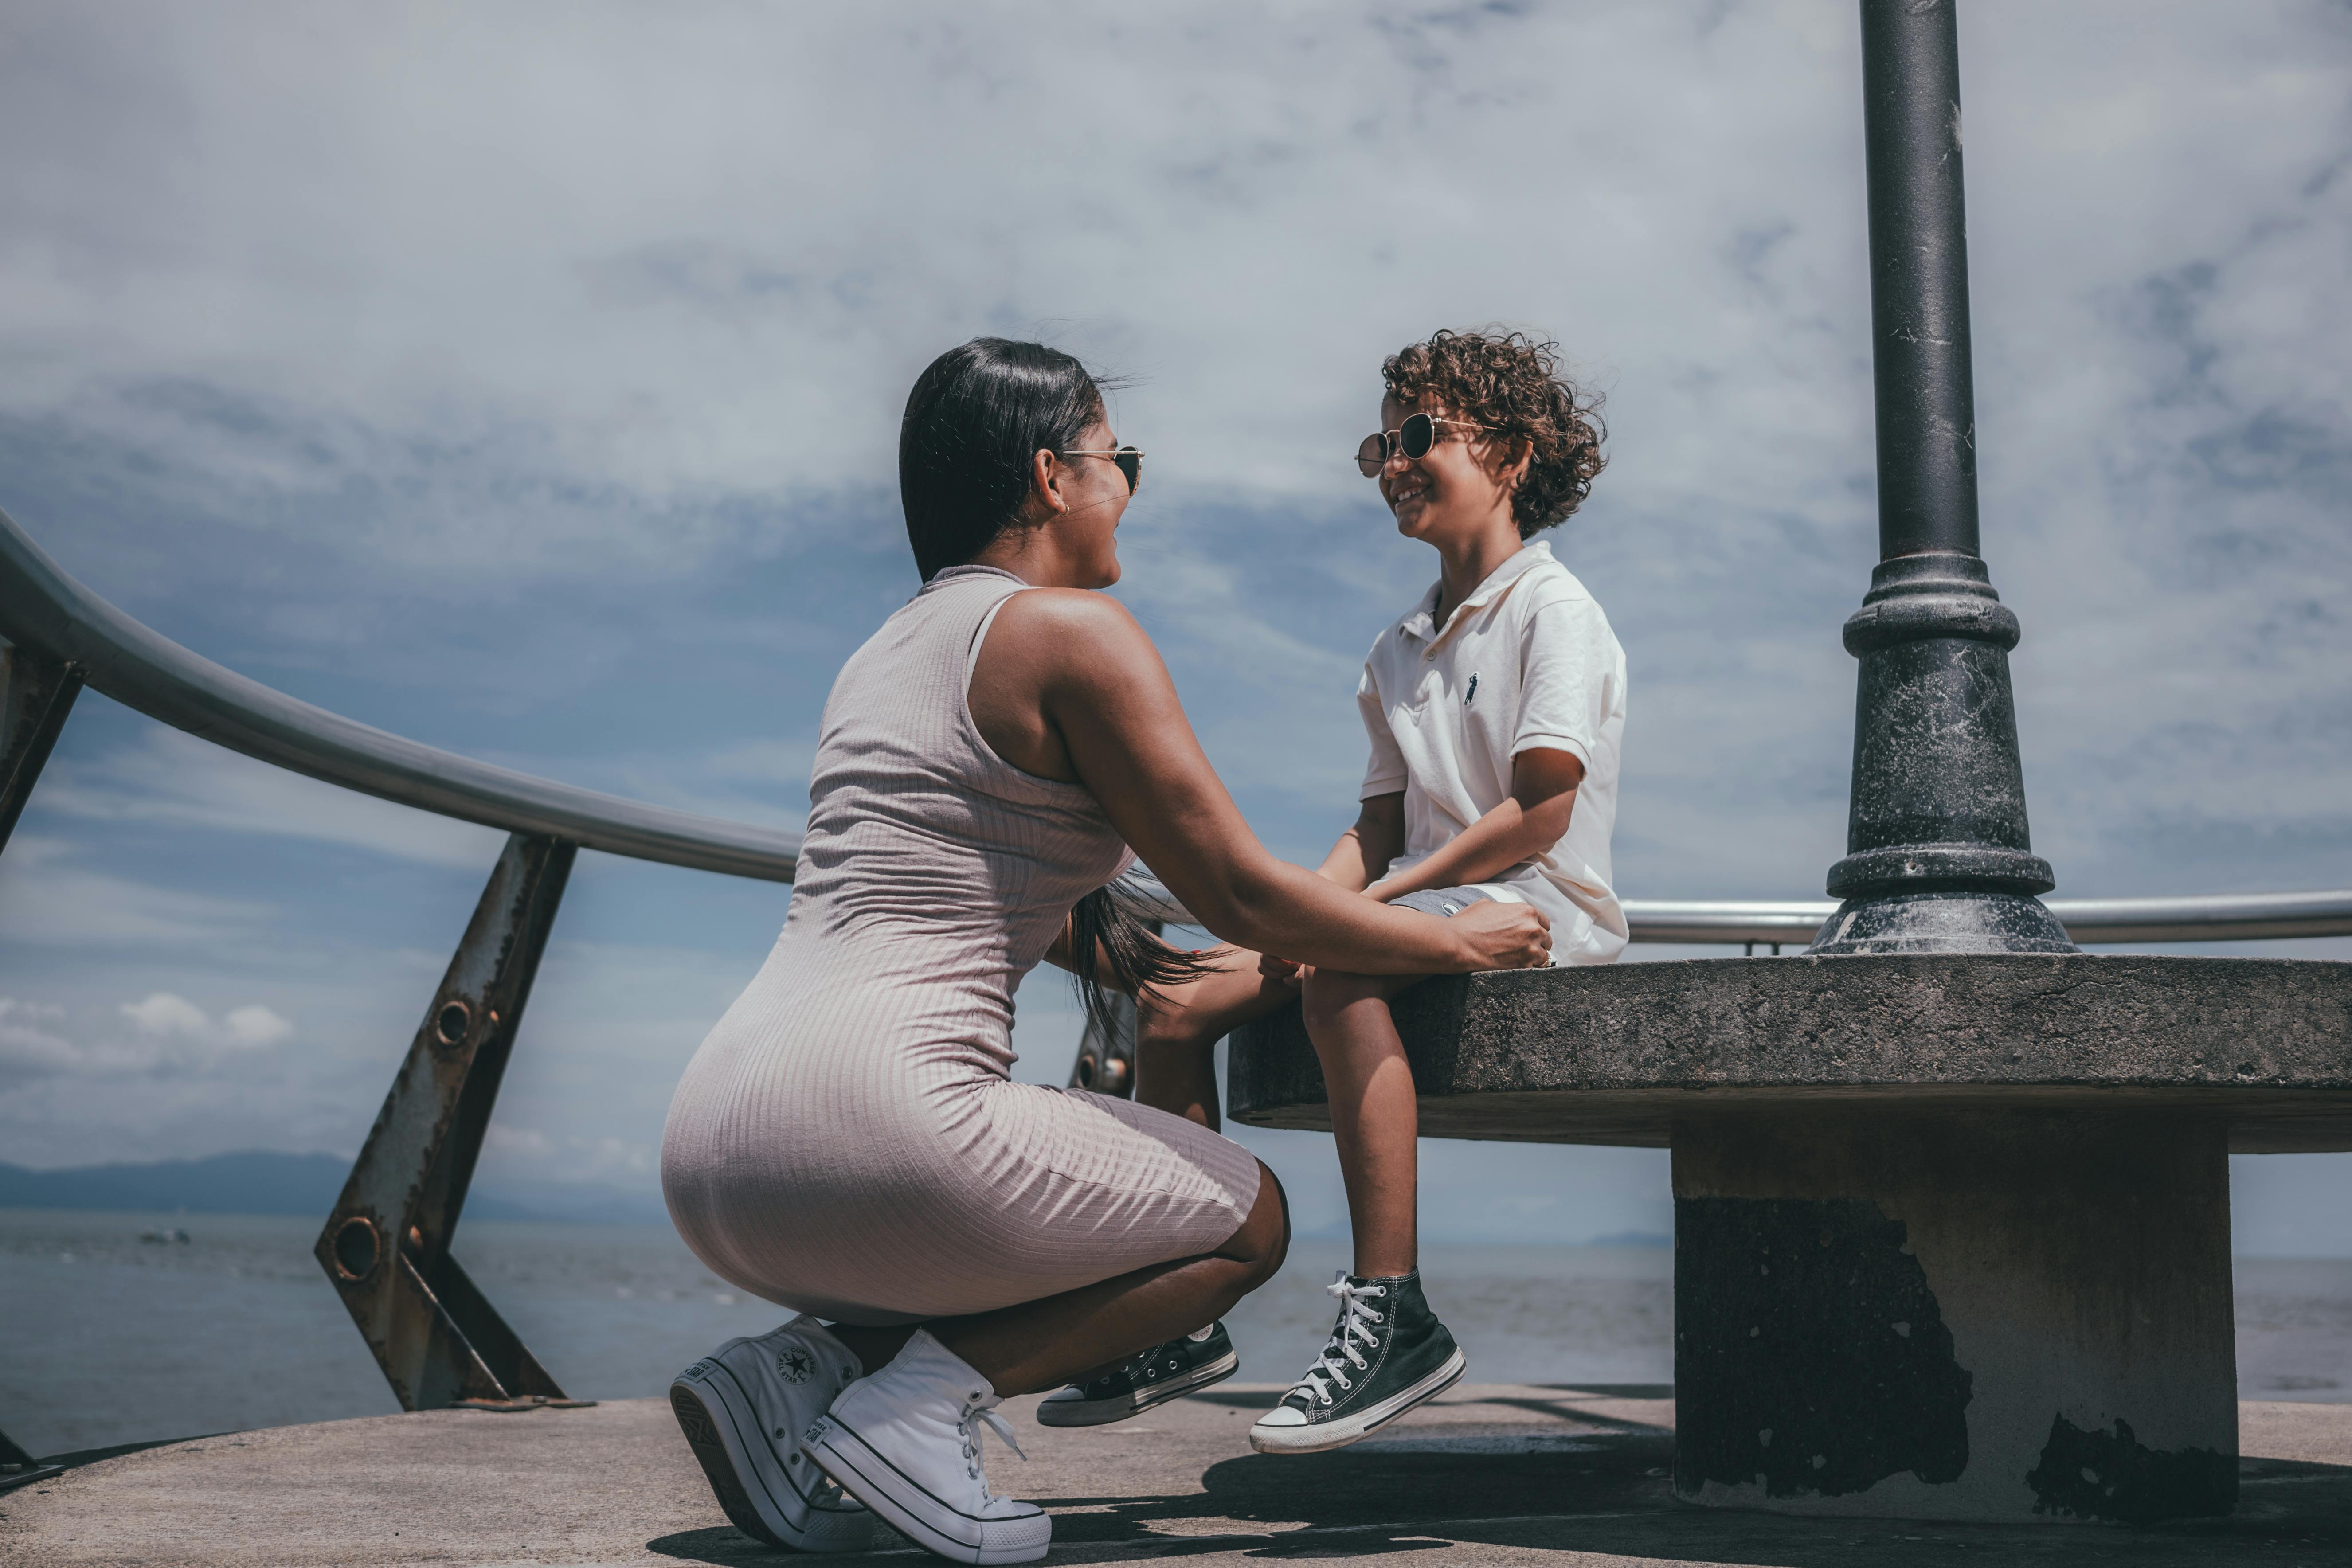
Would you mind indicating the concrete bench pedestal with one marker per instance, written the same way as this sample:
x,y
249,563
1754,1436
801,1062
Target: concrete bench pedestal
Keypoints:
x,y
1992,1314
1952,1232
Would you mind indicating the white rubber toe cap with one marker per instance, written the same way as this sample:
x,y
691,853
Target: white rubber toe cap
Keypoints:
x,y
1283,1415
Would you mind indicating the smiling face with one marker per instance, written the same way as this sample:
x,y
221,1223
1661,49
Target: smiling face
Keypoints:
x,y
1454,492
1095,494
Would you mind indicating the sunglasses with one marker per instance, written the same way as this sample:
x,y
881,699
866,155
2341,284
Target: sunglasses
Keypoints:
x,y
1415,439
1129,461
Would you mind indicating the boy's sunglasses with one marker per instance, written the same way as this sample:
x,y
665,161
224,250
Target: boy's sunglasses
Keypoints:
x,y
1129,461
1415,439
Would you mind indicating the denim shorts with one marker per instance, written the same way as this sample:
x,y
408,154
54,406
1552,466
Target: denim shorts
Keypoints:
x,y
1444,901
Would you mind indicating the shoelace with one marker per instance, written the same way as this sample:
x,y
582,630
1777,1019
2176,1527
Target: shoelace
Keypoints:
x,y
971,1435
1339,1352
828,1493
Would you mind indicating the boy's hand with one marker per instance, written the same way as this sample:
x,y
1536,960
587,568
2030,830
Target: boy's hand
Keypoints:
x,y
1282,969
1497,935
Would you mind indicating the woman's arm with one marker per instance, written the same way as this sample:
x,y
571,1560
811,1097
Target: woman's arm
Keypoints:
x,y
1543,794
1067,686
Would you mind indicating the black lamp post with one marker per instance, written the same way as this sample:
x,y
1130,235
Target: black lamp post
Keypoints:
x,y
1938,858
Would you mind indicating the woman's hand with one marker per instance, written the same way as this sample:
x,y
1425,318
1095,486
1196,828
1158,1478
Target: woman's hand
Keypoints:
x,y
1290,971
1497,935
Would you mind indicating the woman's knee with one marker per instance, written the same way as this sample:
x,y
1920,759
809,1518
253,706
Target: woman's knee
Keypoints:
x,y
1263,1239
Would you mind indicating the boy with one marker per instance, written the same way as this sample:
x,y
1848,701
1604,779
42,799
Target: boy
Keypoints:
x,y
1495,708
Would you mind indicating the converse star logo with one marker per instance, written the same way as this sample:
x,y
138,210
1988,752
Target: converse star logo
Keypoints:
x,y
794,1365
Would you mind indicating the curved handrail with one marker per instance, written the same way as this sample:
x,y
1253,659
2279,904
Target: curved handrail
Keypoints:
x,y
2226,917
44,608
2223,917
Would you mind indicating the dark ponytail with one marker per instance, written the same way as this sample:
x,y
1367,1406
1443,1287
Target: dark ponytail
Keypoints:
x,y
976,420
1115,947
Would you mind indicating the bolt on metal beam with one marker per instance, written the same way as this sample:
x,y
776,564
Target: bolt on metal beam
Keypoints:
x,y
385,1247
1106,1061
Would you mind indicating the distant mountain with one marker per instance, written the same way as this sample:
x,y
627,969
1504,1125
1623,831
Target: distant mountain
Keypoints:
x,y
261,1182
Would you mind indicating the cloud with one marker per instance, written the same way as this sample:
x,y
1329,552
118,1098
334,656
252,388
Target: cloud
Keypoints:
x,y
48,900
254,1024
164,1013
27,1044
526,380
501,1141
170,1037
175,779
666,367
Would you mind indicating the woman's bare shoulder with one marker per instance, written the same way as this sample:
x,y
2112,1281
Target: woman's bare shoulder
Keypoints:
x,y
1044,619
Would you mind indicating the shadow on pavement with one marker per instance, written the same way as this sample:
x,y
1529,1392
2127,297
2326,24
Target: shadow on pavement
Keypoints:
x,y
1424,1490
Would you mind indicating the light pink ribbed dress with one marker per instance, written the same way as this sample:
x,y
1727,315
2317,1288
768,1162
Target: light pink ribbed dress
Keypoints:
x,y
847,1141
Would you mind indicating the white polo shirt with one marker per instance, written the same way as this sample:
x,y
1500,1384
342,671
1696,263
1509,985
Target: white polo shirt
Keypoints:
x,y
1525,662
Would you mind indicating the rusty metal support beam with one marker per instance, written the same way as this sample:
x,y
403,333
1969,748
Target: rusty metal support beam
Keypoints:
x,y
1105,1064
18,1467
386,1245
36,692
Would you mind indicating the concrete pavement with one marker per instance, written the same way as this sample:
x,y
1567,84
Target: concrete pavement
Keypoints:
x,y
1491,1474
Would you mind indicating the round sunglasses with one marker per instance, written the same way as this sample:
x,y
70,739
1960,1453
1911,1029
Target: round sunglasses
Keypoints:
x,y
1415,439
1129,461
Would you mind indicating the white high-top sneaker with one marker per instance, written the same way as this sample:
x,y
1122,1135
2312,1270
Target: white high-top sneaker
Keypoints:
x,y
743,1409
905,1443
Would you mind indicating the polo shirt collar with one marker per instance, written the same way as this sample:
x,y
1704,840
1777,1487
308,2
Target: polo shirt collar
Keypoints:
x,y
1421,624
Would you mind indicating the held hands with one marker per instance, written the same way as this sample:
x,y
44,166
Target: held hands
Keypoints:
x,y
1497,935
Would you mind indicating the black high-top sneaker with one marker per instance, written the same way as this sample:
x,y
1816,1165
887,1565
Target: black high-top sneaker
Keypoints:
x,y
1163,1372
1387,1354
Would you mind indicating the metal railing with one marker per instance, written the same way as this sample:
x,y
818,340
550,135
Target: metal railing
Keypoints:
x,y
386,1244
47,613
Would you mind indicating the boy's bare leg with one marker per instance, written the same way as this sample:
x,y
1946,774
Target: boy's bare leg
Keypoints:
x,y
1177,1033
1375,1118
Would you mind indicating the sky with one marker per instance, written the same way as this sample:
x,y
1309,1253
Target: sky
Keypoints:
x,y
525,379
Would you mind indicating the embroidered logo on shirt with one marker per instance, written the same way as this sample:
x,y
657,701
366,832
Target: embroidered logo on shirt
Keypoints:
x,y
1471,695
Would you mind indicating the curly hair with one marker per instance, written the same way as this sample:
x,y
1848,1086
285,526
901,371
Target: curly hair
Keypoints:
x,y
1512,384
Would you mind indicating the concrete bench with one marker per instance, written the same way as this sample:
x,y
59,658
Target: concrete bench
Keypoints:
x,y
1952,1231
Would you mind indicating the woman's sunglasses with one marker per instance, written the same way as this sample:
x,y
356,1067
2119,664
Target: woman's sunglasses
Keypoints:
x,y
1129,461
1415,439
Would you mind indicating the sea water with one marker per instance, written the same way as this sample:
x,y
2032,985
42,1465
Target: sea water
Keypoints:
x,y
113,1331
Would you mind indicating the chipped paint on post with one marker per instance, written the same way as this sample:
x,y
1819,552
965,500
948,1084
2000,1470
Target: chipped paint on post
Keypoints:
x,y
1810,1356
1971,1272
2112,1476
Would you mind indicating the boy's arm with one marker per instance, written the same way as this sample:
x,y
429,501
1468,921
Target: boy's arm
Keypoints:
x,y
1543,796
1362,853
1365,850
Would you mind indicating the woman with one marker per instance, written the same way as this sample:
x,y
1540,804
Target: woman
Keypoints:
x,y
847,1141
